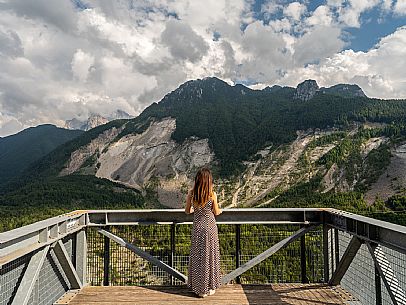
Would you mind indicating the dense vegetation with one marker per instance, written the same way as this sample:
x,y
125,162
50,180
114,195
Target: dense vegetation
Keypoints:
x,y
53,196
19,151
238,122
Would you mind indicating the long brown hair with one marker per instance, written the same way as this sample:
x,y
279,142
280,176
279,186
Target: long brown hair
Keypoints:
x,y
203,188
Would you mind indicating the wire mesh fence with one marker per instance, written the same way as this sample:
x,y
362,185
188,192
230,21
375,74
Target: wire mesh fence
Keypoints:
x,y
50,285
361,277
126,268
10,278
397,263
171,244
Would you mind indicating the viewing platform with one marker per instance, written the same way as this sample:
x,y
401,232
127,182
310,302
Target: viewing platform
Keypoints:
x,y
268,256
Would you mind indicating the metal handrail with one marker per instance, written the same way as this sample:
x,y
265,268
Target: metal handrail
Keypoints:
x,y
39,238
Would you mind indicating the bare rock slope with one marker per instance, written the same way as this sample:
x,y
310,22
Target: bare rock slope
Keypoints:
x,y
138,159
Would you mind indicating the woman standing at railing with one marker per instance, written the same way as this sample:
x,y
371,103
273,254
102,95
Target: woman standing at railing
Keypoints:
x,y
204,260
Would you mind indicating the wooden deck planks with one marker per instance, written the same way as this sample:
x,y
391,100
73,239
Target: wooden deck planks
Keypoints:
x,y
276,294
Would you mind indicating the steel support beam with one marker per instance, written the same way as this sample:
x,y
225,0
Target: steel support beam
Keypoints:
x,y
67,266
346,261
229,216
264,255
336,247
81,255
237,249
106,260
387,275
160,264
368,229
27,239
303,265
378,291
326,259
173,246
30,276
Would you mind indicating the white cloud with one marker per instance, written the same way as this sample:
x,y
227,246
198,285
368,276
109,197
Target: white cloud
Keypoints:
x,y
183,42
59,61
379,71
81,65
294,10
387,4
322,15
317,44
270,7
400,7
350,14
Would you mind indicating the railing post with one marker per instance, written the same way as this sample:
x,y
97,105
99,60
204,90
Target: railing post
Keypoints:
x,y
81,255
325,254
303,259
237,249
336,247
172,256
106,261
378,292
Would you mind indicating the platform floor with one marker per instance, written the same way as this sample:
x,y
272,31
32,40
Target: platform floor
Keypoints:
x,y
276,294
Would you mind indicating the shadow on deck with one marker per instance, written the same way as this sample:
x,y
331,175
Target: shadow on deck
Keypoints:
x,y
276,294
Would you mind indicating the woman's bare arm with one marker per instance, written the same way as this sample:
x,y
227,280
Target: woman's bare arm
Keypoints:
x,y
216,208
188,207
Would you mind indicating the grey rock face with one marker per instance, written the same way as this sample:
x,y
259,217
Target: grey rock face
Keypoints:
x,y
96,120
306,90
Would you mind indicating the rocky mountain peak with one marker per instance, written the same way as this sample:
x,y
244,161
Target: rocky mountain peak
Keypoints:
x,y
306,90
95,120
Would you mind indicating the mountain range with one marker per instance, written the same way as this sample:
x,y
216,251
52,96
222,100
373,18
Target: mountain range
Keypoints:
x,y
95,120
280,146
19,151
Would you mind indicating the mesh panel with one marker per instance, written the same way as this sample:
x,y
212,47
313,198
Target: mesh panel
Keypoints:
x,y
51,284
10,277
126,268
95,248
283,266
70,244
397,261
359,279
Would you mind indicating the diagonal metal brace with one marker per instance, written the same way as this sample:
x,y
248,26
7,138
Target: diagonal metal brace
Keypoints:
x,y
67,265
345,261
387,274
264,255
160,264
30,276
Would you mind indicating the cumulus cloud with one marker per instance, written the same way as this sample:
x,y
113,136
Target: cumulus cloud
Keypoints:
x,y
323,42
63,60
183,42
60,14
350,13
294,10
10,43
400,7
322,15
379,71
81,64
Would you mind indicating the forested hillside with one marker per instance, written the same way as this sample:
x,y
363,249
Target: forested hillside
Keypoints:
x,y
19,151
266,147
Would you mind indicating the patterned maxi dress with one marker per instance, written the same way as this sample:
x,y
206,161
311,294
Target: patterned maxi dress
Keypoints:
x,y
204,260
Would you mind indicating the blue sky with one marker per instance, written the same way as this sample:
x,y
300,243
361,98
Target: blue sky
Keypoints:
x,y
374,23
69,58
